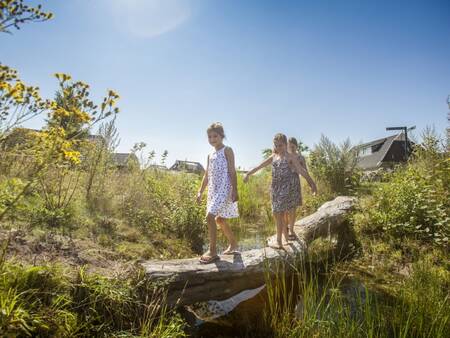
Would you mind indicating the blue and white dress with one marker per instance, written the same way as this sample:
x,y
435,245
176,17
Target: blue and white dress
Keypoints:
x,y
219,202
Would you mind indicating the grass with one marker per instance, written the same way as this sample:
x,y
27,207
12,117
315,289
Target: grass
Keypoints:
x,y
311,304
48,301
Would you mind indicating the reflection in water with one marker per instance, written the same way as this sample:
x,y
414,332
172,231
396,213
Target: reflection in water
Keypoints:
x,y
233,318
213,309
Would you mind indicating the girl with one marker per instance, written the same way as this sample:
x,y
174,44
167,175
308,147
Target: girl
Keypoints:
x,y
284,167
221,179
296,186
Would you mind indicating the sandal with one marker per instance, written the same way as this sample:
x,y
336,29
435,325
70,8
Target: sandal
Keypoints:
x,y
208,259
231,252
292,237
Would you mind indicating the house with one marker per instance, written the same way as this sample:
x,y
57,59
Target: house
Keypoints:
x,y
384,152
122,160
188,166
158,167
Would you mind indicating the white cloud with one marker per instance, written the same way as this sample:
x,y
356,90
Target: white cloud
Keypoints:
x,y
150,18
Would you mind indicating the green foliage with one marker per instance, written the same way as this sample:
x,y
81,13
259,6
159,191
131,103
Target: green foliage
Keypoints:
x,y
9,188
187,218
415,200
254,197
47,301
334,166
307,305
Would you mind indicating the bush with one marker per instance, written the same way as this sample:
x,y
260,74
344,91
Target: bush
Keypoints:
x,y
254,196
415,199
53,217
45,301
335,166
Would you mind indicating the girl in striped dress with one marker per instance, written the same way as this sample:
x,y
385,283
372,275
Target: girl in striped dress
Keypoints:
x,y
284,167
221,180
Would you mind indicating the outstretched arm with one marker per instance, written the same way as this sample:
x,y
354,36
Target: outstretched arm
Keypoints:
x,y
304,172
204,183
263,164
303,162
232,172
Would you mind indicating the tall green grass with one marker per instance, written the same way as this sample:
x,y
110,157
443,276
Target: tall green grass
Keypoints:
x,y
308,304
48,301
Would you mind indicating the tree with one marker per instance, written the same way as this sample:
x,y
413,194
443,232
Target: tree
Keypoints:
x,y
334,165
53,146
67,100
266,153
14,13
302,148
164,157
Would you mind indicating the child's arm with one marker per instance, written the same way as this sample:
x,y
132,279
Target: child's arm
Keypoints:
x,y
232,172
263,164
204,183
302,171
303,162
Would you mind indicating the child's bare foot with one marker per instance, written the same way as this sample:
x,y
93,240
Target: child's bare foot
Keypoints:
x,y
276,246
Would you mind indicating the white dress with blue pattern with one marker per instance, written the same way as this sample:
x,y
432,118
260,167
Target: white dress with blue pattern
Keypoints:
x,y
219,202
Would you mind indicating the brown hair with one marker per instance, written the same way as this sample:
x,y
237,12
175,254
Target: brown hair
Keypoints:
x,y
279,137
217,128
293,140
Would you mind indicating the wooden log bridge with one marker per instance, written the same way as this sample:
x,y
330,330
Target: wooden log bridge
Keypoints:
x,y
189,282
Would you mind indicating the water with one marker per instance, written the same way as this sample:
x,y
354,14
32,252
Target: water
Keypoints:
x,y
249,236
208,322
231,317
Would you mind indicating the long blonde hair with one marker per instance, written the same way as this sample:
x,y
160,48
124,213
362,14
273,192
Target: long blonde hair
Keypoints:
x,y
279,137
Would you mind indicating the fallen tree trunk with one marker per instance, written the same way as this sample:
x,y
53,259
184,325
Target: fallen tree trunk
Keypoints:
x,y
189,282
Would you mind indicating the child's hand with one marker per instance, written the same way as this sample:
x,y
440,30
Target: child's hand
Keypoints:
x,y
199,197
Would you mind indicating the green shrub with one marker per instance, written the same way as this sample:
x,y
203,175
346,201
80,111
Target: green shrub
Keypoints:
x,y
42,301
53,217
254,196
415,202
9,189
335,166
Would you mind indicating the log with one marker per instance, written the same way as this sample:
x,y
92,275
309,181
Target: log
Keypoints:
x,y
189,282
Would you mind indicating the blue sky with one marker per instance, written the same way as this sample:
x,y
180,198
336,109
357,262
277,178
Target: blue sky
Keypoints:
x,y
305,68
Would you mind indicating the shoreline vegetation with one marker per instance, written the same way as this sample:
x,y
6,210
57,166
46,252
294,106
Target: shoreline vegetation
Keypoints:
x,y
86,265
73,226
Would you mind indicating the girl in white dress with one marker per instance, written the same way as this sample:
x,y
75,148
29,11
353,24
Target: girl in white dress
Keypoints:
x,y
221,179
